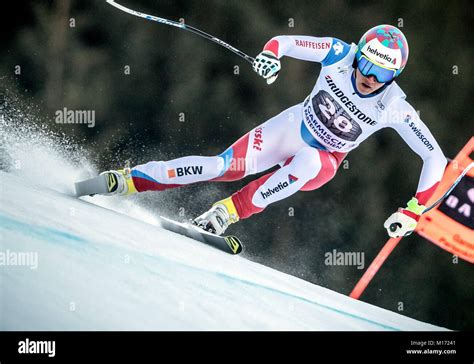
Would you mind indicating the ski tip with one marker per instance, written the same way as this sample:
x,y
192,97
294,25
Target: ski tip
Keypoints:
x,y
227,243
234,244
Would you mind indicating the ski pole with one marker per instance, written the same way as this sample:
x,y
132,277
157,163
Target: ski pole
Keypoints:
x,y
184,27
394,226
464,172
192,30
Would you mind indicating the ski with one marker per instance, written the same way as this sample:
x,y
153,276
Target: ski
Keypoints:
x,y
105,183
229,244
101,184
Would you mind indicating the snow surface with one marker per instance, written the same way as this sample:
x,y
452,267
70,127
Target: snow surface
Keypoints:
x,y
98,269
104,263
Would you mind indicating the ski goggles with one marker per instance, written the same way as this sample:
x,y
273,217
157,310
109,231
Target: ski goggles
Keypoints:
x,y
368,68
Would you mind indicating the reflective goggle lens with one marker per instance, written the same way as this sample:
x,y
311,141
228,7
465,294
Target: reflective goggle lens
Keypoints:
x,y
367,68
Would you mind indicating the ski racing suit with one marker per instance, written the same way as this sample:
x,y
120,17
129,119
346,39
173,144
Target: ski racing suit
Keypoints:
x,y
309,140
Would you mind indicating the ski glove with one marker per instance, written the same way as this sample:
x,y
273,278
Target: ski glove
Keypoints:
x,y
404,221
267,65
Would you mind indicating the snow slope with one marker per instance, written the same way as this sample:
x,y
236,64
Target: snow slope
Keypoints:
x,y
104,263
98,269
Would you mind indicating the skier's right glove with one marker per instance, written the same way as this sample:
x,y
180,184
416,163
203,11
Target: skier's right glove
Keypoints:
x,y
267,65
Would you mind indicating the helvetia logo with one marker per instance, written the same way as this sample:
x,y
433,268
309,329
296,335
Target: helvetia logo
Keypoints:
x,y
292,179
381,55
184,171
280,187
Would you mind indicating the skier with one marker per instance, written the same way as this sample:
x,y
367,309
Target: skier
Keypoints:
x,y
355,96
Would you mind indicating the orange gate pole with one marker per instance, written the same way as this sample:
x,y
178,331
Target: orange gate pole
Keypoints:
x,y
374,267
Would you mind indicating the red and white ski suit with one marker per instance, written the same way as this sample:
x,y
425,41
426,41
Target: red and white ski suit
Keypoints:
x,y
308,141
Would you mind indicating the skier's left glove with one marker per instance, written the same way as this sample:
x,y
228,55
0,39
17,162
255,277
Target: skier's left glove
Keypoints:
x,y
404,221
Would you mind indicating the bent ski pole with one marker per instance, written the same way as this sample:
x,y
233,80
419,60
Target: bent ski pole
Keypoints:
x,y
190,29
393,227
184,27
464,172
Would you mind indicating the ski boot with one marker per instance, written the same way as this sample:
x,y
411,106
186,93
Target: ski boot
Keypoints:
x,y
119,182
219,217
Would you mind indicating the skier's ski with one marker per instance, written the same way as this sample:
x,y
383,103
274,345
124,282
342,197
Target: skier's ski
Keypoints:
x,y
106,182
101,184
229,244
